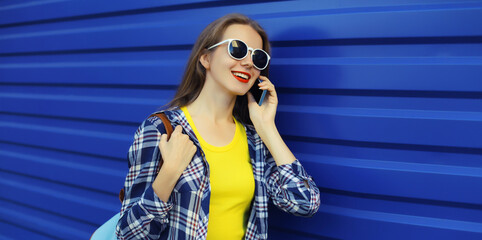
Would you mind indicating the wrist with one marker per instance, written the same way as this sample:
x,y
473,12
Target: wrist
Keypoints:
x,y
276,146
268,133
165,181
170,170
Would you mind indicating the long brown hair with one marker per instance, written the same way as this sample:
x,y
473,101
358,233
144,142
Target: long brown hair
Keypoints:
x,y
195,73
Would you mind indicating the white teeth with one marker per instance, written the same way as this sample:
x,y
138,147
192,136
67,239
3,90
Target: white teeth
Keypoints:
x,y
241,75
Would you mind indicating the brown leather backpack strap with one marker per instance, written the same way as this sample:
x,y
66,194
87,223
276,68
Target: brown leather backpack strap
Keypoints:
x,y
121,195
167,123
168,127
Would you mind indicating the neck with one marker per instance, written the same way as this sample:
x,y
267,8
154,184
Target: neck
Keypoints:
x,y
213,104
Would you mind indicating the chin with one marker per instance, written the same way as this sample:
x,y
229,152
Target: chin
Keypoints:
x,y
239,92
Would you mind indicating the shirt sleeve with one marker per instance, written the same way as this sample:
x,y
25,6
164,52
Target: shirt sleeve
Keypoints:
x,y
143,214
291,188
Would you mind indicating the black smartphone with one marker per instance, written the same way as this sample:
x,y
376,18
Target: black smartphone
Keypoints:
x,y
258,94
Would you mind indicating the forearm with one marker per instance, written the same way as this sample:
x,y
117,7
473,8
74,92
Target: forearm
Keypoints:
x,y
165,182
276,146
143,216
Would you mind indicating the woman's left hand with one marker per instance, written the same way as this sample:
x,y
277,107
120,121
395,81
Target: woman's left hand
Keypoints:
x,y
263,115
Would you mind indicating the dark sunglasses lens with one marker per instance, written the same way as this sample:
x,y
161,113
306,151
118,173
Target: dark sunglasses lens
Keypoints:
x,y
238,49
260,59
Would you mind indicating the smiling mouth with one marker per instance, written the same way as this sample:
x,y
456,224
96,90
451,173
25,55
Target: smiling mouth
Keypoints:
x,y
241,76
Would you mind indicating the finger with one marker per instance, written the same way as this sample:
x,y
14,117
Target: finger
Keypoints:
x,y
263,84
163,138
177,130
266,86
272,95
263,78
163,142
272,92
265,81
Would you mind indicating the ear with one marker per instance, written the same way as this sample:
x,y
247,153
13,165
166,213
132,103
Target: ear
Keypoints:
x,y
205,60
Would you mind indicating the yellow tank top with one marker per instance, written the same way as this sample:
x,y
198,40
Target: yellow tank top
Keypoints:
x,y
232,184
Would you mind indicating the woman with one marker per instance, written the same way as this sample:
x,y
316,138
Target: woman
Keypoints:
x,y
218,168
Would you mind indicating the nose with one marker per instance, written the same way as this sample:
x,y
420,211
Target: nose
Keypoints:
x,y
247,61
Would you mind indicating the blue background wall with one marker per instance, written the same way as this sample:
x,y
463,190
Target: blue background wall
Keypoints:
x,y
385,97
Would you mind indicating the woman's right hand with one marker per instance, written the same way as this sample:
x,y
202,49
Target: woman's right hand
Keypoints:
x,y
177,152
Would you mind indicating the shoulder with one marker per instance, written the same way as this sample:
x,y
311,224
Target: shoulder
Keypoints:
x,y
154,123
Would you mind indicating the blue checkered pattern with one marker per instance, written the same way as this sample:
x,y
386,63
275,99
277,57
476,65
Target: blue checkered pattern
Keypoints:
x,y
185,214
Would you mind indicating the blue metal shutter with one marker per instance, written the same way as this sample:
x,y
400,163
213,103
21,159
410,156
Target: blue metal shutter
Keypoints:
x,y
380,101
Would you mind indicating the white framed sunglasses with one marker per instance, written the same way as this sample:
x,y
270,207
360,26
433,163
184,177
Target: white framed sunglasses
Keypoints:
x,y
238,50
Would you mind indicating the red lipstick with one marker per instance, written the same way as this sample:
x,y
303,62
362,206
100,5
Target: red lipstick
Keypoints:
x,y
241,76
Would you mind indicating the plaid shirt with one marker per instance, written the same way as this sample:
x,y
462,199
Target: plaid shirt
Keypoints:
x,y
185,214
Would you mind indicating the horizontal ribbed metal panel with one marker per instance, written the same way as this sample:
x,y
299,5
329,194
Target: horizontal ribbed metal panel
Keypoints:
x,y
380,101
